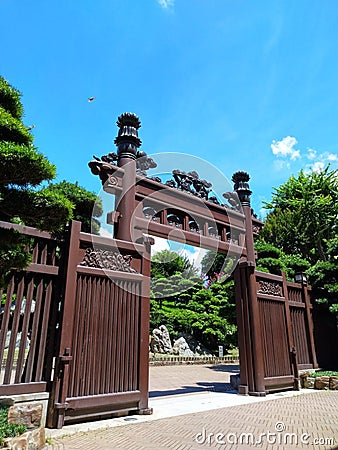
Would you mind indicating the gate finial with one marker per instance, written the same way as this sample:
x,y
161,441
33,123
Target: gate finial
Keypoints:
x,y
127,141
241,186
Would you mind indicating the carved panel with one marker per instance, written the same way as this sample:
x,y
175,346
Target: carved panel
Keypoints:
x,y
270,288
107,259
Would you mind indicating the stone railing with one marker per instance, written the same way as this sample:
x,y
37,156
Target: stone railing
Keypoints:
x,y
171,360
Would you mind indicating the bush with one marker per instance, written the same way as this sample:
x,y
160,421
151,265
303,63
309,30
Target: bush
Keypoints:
x,y
324,373
8,430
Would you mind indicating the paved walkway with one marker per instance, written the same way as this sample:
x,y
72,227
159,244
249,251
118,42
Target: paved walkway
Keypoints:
x,y
194,409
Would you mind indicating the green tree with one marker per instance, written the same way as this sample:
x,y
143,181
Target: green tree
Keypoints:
x,y
86,206
181,303
303,223
166,263
303,217
23,169
22,198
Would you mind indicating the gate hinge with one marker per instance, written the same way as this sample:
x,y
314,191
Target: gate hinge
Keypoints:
x,y
66,357
61,405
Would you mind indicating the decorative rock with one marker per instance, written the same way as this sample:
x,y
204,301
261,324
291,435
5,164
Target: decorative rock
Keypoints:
x,y
308,382
160,340
322,382
31,440
333,383
195,345
29,415
181,348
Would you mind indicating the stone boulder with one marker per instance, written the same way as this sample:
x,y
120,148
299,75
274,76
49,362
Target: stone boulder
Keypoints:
x,y
334,383
27,414
160,341
308,382
181,348
322,382
195,345
31,440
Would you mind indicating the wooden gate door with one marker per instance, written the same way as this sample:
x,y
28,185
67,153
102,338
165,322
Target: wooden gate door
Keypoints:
x,y
102,365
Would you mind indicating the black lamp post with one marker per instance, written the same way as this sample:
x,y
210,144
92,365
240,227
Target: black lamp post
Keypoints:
x,y
300,277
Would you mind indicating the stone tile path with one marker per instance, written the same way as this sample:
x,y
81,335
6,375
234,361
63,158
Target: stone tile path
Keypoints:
x,y
282,421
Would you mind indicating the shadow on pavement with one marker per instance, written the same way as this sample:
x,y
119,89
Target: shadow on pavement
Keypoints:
x,y
232,368
199,387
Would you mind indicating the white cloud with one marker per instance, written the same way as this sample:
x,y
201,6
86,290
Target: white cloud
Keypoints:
x,y
311,153
281,164
160,244
318,166
195,256
331,157
323,159
285,148
166,3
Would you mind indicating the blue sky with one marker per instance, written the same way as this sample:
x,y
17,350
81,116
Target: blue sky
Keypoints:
x,y
245,85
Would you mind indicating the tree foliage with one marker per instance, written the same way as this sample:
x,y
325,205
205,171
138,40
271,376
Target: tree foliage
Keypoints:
x,y
86,206
181,303
303,223
22,198
23,168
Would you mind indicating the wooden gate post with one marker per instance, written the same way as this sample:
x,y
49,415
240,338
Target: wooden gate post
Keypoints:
x,y
57,404
309,322
127,143
249,327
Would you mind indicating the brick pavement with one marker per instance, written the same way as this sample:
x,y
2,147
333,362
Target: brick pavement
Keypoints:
x,y
309,416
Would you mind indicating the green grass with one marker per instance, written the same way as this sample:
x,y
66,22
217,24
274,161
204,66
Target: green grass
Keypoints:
x,y
324,373
8,430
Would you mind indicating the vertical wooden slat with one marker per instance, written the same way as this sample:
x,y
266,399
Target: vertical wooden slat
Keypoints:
x,y
76,338
96,325
14,331
86,339
309,326
109,363
44,329
128,350
132,349
35,333
116,337
24,332
99,349
44,253
122,338
5,318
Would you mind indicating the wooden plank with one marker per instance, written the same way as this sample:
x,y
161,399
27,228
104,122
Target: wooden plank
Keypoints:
x,y
42,268
111,243
5,318
113,274
22,388
89,401
29,231
14,331
24,332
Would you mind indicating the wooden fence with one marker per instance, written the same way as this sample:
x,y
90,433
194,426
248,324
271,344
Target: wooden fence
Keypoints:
x,y
29,313
281,341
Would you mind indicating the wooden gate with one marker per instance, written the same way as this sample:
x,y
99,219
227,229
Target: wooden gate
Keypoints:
x,y
275,331
89,329
102,366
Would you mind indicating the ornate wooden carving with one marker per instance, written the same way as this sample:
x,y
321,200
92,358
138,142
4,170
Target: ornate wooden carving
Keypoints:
x,y
270,288
191,182
107,259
